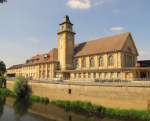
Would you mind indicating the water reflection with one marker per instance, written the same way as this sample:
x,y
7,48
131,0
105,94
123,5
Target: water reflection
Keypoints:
x,y
23,110
21,107
70,118
2,103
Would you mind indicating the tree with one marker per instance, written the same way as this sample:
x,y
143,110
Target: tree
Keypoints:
x,y
2,68
22,89
2,72
2,1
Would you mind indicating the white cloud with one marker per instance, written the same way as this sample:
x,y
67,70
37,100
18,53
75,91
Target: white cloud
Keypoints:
x,y
86,4
79,4
117,29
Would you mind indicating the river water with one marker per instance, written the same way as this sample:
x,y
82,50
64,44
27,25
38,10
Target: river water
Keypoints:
x,y
11,111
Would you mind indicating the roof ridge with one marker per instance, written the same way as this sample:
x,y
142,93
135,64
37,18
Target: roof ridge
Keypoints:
x,y
105,37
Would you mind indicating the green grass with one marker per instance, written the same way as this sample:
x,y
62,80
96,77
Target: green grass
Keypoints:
x,y
133,115
88,108
39,99
80,107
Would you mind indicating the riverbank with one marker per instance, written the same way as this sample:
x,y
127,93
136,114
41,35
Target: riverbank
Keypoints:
x,y
89,109
110,96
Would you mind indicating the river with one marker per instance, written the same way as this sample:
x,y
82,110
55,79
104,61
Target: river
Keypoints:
x,y
11,111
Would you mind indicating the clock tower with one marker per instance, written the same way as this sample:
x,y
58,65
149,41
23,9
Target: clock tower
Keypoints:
x,y
66,44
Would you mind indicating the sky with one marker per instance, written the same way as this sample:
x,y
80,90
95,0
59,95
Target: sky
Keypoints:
x,y
29,27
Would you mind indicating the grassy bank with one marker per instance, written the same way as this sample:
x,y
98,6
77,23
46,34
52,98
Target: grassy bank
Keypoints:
x,y
90,109
6,92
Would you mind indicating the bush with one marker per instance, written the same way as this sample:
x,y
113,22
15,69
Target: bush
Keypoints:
x,y
81,107
21,89
88,108
133,115
39,99
5,92
2,81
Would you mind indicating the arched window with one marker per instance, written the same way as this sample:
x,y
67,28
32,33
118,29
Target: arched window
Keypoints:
x,y
92,62
110,60
101,61
83,62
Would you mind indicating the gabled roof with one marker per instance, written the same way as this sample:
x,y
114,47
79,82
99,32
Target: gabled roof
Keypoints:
x,y
51,56
102,45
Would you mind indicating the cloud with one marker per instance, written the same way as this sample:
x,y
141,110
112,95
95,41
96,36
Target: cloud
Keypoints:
x,y
79,4
117,29
86,4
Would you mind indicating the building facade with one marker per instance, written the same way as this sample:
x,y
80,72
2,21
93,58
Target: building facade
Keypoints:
x,y
106,58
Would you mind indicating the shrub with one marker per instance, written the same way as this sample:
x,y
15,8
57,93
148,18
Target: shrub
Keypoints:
x,y
2,81
88,108
78,106
21,89
133,115
39,99
4,92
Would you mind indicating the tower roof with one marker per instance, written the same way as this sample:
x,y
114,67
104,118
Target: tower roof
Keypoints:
x,y
66,20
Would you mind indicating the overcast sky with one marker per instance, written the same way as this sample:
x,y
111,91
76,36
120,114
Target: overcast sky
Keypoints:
x,y
28,27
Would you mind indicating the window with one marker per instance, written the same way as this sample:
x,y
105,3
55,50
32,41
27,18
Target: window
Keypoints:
x,y
101,61
84,75
111,75
129,60
92,62
79,75
119,75
76,64
100,75
110,60
105,75
89,75
83,62
94,75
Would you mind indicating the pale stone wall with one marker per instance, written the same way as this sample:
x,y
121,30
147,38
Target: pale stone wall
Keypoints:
x,y
37,71
109,96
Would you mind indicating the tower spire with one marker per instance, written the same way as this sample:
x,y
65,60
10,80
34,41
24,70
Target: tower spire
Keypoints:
x,y
66,20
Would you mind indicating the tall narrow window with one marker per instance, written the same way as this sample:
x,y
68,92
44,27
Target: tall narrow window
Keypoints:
x,y
110,60
92,62
76,64
83,62
101,61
